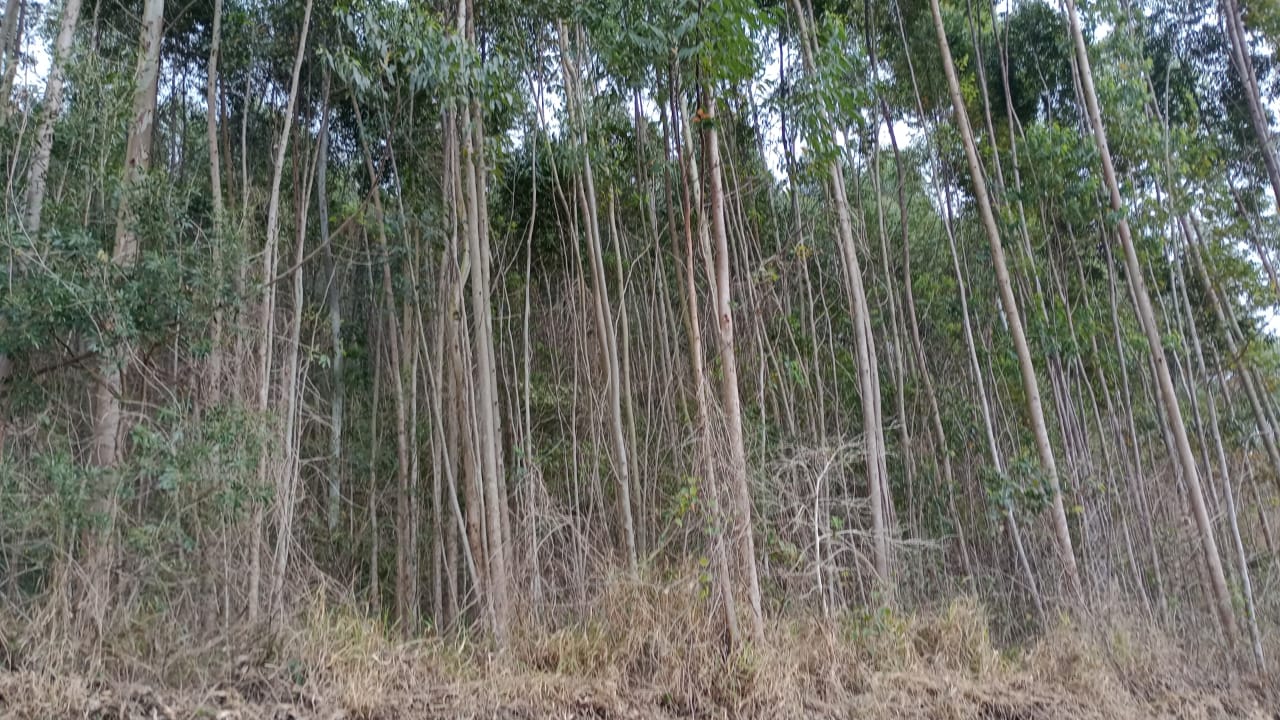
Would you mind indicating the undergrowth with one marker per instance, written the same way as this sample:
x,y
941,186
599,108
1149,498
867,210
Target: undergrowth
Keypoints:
x,y
647,649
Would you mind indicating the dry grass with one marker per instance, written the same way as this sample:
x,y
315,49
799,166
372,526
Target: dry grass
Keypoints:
x,y
647,649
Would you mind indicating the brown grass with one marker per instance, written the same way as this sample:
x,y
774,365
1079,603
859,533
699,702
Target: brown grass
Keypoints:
x,y
646,649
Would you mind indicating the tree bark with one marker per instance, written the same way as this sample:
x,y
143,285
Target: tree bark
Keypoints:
x,y
266,316
1013,316
868,372
404,603
1238,48
745,540
486,401
333,299
1146,315
37,175
105,447
287,481
216,360
10,39
693,325
605,334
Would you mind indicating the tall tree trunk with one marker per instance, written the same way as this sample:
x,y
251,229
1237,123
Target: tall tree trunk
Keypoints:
x,y
745,540
1013,316
486,401
375,536
404,603
216,359
10,40
1238,49
635,513
691,199
37,175
287,481
859,310
333,299
605,335
106,426
266,310
106,407
1146,315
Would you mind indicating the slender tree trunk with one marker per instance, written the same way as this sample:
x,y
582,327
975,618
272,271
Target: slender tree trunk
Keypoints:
x,y
216,359
605,334
14,28
37,175
533,477
693,324
868,373
10,40
1146,315
1013,316
106,408
106,426
1238,49
745,540
375,533
287,482
486,401
636,513
404,601
266,317
333,298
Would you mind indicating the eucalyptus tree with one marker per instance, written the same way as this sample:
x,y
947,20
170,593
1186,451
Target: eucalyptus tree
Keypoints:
x,y
471,128
1009,304
864,341
106,426
108,389
1146,315
50,111
724,35
212,113
576,101
268,472
1242,61
552,318
10,51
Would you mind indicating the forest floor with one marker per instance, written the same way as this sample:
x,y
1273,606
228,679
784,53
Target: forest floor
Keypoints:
x,y
645,660
535,696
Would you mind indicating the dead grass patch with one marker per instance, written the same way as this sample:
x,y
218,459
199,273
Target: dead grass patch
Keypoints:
x,y
647,649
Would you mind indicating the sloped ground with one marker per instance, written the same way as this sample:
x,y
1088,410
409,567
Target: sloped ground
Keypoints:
x,y
646,652
28,696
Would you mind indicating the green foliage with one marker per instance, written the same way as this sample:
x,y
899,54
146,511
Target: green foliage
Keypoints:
x,y
393,48
1023,487
686,502
1180,139
67,290
838,92
185,477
